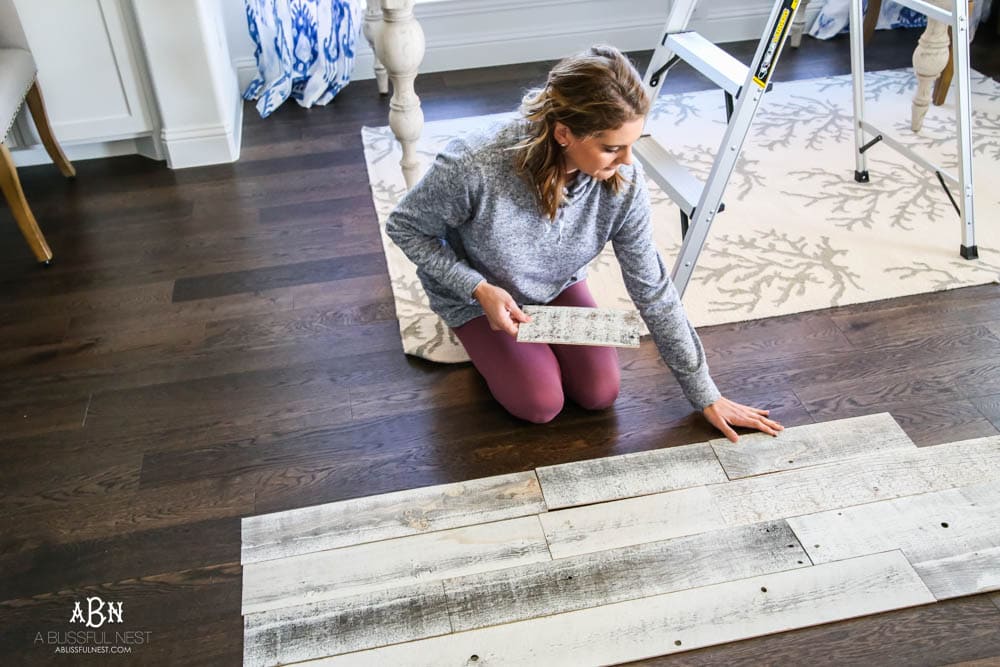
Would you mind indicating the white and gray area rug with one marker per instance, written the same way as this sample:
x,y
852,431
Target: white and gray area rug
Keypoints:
x,y
798,232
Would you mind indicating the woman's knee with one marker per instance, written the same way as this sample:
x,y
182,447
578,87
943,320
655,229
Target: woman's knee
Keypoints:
x,y
538,405
599,395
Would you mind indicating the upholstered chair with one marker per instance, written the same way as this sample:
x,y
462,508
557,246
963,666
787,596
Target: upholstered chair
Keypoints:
x,y
18,85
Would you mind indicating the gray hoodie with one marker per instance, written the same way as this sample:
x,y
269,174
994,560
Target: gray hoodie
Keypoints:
x,y
473,218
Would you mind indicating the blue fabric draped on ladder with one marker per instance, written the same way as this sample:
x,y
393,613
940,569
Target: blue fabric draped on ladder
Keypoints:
x,y
305,49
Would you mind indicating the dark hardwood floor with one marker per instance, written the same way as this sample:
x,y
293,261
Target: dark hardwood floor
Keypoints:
x,y
218,342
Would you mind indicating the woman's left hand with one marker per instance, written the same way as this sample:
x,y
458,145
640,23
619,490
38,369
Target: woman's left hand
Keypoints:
x,y
724,414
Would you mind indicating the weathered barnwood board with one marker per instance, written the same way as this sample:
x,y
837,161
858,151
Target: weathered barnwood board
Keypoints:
x,y
661,516
605,577
315,630
882,476
673,622
629,475
951,537
390,515
800,446
401,561
835,485
580,326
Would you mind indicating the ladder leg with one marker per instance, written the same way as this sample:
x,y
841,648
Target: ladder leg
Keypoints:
x,y
677,21
960,49
747,103
858,79
715,186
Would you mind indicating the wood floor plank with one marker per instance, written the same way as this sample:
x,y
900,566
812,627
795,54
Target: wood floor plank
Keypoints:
x,y
617,575
127,556
390,515
332,627
43,416
324,575
629,475
938,422
672,622
989,405
235,282
108,515
951,537
758,453
661,516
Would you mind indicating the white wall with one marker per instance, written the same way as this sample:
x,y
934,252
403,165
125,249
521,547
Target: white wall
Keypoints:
x,y
479,33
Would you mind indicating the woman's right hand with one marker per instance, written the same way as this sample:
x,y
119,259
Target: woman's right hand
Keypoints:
x,y
501,310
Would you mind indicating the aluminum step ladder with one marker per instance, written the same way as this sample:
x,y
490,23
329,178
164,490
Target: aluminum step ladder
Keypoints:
x,y
958,19
744,88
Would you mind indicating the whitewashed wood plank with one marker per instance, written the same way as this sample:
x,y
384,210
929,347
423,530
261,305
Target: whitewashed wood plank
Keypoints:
x,y
779,495
592,580
305,632
629,475
951,537
882,476
580,326
924,527
390,515
800,446
401,561
673,622
963,574
661,516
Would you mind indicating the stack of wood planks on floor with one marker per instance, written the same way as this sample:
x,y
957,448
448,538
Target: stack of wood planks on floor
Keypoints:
x,y
630,556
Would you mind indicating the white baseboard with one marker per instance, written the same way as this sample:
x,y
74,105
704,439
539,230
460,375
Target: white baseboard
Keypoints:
x,y
27,157
200,146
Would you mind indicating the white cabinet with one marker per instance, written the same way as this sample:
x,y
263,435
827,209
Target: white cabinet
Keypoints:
x,y
90,69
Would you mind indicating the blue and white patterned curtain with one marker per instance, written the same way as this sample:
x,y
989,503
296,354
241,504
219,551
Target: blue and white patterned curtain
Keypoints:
x,y
834,17
305,49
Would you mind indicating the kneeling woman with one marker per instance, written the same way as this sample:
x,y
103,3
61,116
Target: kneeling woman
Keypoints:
x,y
515,213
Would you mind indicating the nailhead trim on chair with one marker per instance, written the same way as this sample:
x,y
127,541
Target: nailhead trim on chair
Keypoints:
x,y
24,95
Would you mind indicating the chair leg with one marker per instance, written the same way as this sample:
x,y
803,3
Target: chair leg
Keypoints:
x,y
12,192
37,107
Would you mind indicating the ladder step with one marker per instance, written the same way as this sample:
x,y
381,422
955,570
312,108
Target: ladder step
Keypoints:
x,y
721,68
683,187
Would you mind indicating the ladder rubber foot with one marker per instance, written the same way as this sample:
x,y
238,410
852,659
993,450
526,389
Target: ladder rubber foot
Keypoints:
x,y
861,176
969,252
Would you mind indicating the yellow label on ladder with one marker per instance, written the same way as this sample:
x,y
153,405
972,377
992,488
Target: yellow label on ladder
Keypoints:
x,y
763,69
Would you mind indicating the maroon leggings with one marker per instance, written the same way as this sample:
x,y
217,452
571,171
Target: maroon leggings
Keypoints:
x,y
531,379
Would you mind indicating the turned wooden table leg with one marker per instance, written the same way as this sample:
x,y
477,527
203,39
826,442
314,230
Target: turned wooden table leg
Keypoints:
x,y
372,28
929,60
400,46
798,25
943,83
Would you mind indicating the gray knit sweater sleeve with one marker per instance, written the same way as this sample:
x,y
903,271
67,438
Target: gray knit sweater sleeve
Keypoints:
x,y
650,287
444,198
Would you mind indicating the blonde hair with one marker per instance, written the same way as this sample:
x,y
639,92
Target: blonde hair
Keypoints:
x,y
590,92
